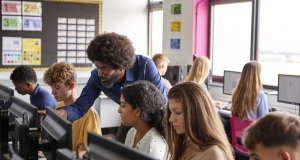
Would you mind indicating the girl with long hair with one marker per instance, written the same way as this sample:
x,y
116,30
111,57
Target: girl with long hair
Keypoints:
x,y
248,99
193,127
199,71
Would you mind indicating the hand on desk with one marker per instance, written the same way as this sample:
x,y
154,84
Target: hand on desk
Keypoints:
x,y
42,114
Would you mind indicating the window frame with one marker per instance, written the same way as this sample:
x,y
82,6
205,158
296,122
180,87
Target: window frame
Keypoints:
x,y
254,29
152,6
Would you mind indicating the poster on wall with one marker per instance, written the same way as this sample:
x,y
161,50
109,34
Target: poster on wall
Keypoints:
x,y
11,8
11,58
32,8
32,23
11,50
31,51
175,43
175,26
11,23
11,43
176,8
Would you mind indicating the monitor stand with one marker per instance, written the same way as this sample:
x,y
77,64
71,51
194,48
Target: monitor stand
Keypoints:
x,y
4,123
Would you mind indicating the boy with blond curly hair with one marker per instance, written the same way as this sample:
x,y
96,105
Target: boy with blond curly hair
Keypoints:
x,y
61,77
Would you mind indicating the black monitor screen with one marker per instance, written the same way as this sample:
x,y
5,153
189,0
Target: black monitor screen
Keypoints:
x,y
106,149
174,74
230,81
5,96
24,142
65,154
289,89
20,108
56,133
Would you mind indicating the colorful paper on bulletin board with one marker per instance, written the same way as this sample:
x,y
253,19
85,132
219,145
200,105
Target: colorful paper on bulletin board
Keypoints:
x,y
31,51
176,8
32,8
11,58
11,8
11,44
175,43
11,23
175,26
32,23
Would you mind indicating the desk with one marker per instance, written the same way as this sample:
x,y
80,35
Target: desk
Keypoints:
x,y
108,112
224,112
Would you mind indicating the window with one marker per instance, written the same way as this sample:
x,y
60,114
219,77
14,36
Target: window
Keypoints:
x,y
230,36
157,32
155,27
279,37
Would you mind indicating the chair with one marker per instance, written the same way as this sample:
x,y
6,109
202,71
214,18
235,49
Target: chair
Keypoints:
x,y
237,131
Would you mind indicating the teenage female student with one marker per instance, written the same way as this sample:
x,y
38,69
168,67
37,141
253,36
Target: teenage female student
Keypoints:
x,y
248,101
193,127
199,71
142,107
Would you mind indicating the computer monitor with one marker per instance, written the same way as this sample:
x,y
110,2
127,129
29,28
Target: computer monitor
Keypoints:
x,y
56,133
174,74
65,154
25,139
289,89
103,148
19,107
5,102
230,81
5,96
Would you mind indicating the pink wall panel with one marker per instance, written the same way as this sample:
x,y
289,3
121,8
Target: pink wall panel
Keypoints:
x,y
200,29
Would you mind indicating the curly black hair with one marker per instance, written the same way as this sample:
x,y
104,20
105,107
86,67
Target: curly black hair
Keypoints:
x,y
148,98
23,74
112,49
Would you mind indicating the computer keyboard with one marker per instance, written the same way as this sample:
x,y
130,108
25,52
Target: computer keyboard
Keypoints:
x,y
227,106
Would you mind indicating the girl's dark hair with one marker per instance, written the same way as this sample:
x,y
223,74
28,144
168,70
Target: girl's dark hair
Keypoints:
x,y
148,98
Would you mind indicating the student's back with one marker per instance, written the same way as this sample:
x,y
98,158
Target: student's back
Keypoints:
x,y
248,101
199,71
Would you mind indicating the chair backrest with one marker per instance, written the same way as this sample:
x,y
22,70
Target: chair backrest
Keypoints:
x,y
237,131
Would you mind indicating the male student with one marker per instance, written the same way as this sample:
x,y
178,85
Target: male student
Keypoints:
x,y
275,136
161,61
61,77
116,65
24,79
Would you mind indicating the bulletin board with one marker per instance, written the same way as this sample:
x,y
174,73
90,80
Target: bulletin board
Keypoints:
x,y
40,33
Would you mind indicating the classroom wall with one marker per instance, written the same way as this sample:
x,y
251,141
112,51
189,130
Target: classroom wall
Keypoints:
x,y
128,17
182,56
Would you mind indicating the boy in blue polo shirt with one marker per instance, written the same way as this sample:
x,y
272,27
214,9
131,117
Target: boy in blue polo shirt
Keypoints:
x,y
24,79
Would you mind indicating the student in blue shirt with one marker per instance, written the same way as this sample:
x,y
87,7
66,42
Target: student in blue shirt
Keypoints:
x,y
248,99
116,65
24,79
